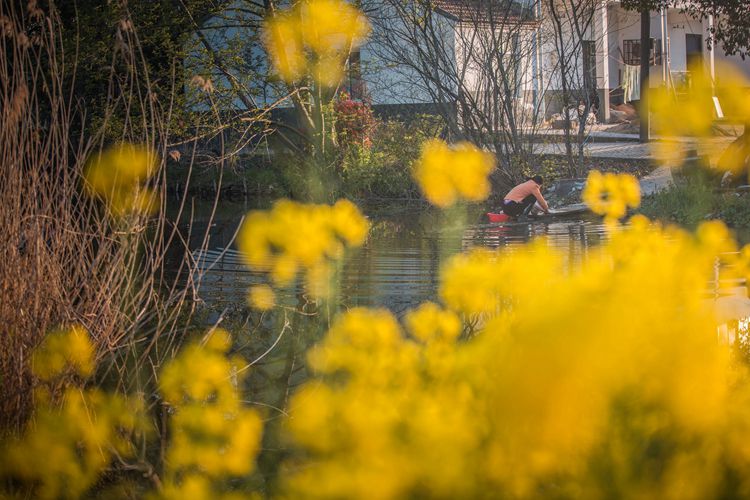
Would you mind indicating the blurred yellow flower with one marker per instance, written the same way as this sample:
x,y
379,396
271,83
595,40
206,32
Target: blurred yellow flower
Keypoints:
x,y
118,176
332,26
211,432
261,297
611,194
316,35
62,350
446,174
430,323
283,40
294,237
574,371
72,439
348,223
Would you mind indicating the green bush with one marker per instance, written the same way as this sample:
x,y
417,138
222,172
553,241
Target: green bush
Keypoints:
x,y
384,169
734,210
686,203
694,200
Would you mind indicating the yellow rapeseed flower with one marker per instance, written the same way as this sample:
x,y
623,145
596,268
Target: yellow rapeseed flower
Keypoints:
x,y
64,349
573,372
431,323
261,297
283,40
446,174
316,35
294,237
611,194
71,440
332,26
118,176
211,431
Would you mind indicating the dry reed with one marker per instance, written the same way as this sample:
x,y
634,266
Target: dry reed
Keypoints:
x,y
63,259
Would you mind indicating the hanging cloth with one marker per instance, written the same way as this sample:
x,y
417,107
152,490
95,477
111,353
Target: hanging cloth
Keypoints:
x,y
631,82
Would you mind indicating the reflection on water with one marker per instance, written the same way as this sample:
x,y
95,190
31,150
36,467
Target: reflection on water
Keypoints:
x,y
398,266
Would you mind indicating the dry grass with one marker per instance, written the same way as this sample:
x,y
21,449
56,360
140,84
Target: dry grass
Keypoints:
x,y
63,260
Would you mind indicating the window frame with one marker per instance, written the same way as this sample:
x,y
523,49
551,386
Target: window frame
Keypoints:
x,y
631,52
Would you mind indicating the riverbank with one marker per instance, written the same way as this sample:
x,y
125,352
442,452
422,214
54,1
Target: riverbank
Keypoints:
x,y
390,182
692,201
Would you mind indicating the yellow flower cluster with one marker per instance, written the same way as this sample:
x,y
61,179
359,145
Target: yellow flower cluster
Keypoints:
x,y
63,349
429,323
292,237
72,439
261,297
447,174
475,283
316,35
601,380
213,437
118,176
611,194
694,115
66,447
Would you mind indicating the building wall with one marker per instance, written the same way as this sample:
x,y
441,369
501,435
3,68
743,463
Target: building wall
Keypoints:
x,y
392,85
625,25
722,59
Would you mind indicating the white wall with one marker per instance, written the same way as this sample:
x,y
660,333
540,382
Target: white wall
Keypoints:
x,y
625,25
467,55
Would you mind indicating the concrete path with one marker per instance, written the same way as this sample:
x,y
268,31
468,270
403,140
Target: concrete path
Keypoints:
x,y
638,151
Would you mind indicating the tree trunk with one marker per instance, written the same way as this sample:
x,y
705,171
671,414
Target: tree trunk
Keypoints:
x,y
645,64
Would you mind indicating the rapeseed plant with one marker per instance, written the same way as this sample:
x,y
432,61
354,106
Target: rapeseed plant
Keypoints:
x,y
611,194
213,437
569,370
119,176
315,36
76,432
448,174
261,297
293,237
75,435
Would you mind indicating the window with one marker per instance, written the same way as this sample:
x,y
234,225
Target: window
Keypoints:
x,y
631,52
589,64
355,84
516,64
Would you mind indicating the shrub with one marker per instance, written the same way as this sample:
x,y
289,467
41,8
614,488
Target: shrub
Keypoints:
x,y
384,170
355,121
690,202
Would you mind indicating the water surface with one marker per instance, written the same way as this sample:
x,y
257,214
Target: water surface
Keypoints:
x,y
398,266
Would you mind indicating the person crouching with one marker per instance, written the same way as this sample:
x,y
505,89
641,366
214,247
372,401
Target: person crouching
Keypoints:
x,y
520,200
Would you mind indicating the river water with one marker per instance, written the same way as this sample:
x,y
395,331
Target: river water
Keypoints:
x,y
398,266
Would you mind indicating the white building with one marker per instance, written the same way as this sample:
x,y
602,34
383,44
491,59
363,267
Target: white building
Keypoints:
x,y
604,57
677,40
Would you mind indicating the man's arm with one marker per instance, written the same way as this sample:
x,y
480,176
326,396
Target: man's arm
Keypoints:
x,y
541,200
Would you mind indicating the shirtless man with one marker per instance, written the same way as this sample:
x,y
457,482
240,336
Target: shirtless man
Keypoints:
x,y
520,199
